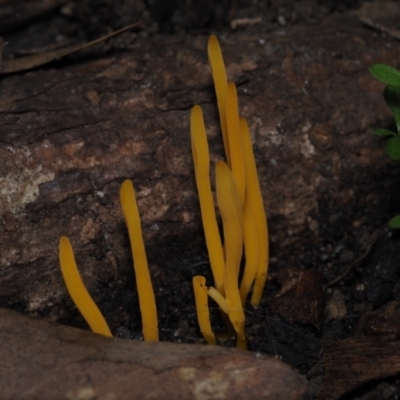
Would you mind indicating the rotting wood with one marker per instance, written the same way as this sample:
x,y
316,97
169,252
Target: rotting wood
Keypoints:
x,y
48,361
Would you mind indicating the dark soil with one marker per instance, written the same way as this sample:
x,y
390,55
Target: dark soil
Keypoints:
x,y
305,304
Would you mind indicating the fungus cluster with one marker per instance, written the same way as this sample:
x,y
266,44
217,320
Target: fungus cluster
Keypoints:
x,y
244,225
240,204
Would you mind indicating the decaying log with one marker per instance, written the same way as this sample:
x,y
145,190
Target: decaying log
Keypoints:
x,y
48,361
69,137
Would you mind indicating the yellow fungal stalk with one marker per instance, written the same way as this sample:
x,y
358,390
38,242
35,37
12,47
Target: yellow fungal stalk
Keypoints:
x,y
251,249
143,281
236,157
77,290
221,85
201,161
231,213
219,299
255,202
203,315
232,217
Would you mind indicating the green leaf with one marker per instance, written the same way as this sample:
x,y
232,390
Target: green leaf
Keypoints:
x,y
385,73
393,148
395,222
392,99
383,132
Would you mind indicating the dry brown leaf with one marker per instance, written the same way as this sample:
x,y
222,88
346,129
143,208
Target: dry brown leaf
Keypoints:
x,y
301,297
35,60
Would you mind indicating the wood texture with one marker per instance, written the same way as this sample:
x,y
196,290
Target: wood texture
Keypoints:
x,y
353,362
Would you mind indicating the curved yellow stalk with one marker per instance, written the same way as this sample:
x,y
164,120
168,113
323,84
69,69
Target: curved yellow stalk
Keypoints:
x,y
254,197
203,315
232,218
218,298
77,290
220,83
201,161
143,281
236,156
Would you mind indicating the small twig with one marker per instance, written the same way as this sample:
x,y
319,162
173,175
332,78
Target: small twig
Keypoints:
x,y
243,22
394,33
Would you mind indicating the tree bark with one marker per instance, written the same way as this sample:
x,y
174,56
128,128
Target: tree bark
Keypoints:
x,y
69,137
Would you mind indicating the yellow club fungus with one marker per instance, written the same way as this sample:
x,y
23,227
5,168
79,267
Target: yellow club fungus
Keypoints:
x,y
231,212
201,161
232,218
235,140
221,85
239,200
254,198
77,290
143,281
242,163
203,315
